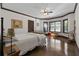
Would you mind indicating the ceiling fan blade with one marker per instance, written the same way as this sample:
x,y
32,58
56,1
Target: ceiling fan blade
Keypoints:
x,y
50,12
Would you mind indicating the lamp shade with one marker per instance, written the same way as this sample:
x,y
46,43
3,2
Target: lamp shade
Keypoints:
x,y
10,32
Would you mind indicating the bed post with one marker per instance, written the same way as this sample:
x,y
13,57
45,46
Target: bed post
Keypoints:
x,y
1,50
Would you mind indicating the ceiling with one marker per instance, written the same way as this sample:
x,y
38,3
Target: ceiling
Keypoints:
x,y
34,9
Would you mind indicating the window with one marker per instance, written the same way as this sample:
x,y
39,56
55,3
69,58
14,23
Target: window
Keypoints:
x,y
55,26
65,26
45,26
58,26
52,26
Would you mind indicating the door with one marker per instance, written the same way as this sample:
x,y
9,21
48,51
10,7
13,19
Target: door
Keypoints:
x,y
30,26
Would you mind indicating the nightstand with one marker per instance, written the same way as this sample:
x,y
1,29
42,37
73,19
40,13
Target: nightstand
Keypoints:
x,y
7,50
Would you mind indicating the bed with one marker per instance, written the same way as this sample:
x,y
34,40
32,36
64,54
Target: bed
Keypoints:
x,y
27,42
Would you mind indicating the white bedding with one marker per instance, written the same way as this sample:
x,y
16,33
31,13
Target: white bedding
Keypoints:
x,y
41,38
29,41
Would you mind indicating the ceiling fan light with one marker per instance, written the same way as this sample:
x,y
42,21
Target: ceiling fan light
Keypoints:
x,y
45,10
45,14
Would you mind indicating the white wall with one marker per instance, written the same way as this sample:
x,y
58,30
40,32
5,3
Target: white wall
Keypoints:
x,y
39,27
77,25
11,15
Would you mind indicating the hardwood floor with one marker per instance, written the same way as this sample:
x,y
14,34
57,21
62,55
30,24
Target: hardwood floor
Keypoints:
x,y
56,47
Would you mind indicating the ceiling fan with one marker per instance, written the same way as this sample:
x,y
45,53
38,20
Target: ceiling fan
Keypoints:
x,y
46,11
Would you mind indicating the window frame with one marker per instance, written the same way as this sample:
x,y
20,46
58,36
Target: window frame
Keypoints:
x,y
64,27
55,25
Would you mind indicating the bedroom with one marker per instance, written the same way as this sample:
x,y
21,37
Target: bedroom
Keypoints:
x,y
37,18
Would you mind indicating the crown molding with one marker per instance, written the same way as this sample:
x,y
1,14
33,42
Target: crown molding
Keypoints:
x,y
76,4
37,17
16,12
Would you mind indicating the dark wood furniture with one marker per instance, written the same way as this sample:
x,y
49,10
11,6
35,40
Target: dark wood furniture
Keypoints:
x,y
6,50
1,41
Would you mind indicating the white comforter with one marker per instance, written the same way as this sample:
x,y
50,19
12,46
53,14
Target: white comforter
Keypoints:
x,y
41,38
29,41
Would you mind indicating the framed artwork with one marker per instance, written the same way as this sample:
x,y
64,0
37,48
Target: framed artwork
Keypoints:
x,y
16,23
